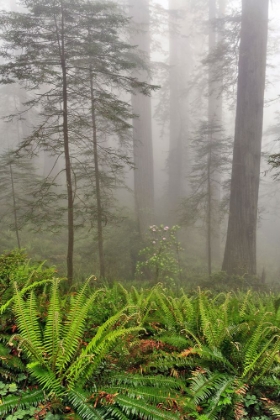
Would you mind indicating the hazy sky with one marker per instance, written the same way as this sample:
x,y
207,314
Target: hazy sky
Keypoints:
x,y
274,6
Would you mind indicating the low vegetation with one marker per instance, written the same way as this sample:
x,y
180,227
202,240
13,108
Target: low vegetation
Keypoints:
x,y
117,353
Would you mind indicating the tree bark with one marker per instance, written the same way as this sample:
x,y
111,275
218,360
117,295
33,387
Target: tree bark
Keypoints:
x,y
213,191
209,210
70,210
14,205
240,252
142,127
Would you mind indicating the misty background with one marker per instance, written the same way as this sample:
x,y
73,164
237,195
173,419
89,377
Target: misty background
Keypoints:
x,y
191,59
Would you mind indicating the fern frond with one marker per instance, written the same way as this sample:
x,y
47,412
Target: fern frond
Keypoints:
x,y
121,291
150,395
30,398
189,309
214,355
165,311
22,292
168,363
214,320
90,357
52,329
147,304
175,340
138,408
263,359
74,328
120,318
204,384
257,345
136,296
30,332
274,410
46,378
224,384
79,401
115,413
158,381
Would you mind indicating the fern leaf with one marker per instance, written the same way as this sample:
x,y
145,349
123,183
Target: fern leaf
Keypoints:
x,y
204,384
115,413
138,408
30,332
90,358
30,398
74,328
253,364
158,381
275,411
46,378
79,401
52,329
119,318
22,292
225,384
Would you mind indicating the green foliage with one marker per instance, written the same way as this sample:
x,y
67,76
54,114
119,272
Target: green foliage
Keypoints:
x,y
80,374
140,353
21,405
9,262
211,153
162,256
15,267
226,347
18,181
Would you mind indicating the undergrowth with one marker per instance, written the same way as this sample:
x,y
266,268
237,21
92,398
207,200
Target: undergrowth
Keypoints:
x,y
134,353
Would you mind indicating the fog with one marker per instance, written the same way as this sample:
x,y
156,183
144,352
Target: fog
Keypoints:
x,y
166,131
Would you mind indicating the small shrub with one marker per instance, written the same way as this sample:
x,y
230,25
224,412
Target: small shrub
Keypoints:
x,y
161,257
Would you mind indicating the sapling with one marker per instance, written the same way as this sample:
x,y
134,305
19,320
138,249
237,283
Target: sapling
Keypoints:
x,y
162,255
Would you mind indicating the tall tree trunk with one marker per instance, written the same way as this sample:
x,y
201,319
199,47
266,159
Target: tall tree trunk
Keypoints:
x,y
142,126
209,209
180,63
14,205
219,122
97,182
70,210
215,123
240,252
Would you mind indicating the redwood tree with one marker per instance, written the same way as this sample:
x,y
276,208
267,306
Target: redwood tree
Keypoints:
x,y
240,252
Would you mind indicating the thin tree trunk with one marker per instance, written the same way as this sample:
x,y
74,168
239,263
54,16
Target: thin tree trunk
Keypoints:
x,y
70,210
97,182
217,255
14,206
214,123
142,127
209,210
240,252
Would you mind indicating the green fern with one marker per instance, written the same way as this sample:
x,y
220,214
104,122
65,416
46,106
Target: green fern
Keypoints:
x,y
52,333
135,407
274,410
26,399
79,400
64,367
74,327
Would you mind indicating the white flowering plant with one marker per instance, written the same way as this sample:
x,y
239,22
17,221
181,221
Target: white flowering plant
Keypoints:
x,y
161,258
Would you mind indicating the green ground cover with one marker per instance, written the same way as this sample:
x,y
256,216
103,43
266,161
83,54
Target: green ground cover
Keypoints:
x,y
134,353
